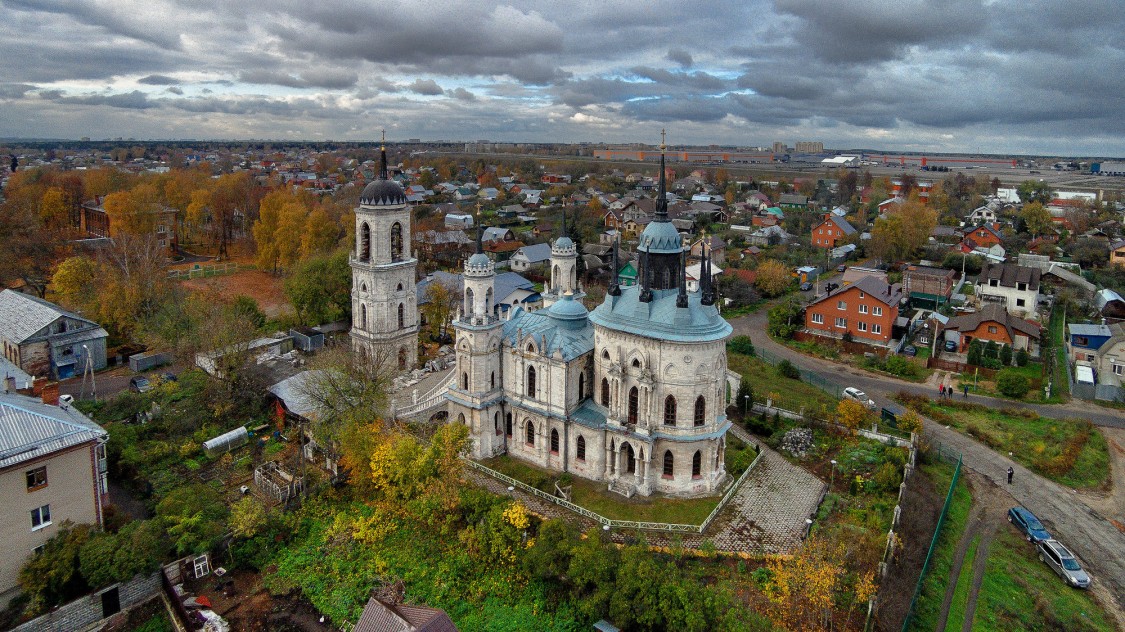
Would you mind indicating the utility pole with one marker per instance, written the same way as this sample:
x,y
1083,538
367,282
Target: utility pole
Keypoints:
x,y
88,370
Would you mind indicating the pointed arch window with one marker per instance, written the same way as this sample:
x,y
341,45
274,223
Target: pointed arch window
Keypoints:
x,y
669,463
402,359
670,411
363,316
531,381
605,392
496,423
508,425
364,242
696,464
580,448
401,315
634,397
581,385
396,242
700,411
554,441
464,380
530,433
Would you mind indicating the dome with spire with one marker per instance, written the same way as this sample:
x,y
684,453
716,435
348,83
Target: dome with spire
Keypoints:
x,y
383,193
563,245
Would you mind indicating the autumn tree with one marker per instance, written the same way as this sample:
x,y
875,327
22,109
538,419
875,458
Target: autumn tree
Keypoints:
x,y
804,588
441,300
320,288
1037,218
901,233
773,278
1034,191
910,421
851,414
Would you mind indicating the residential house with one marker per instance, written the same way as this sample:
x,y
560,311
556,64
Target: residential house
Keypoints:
x,y
694,273
385,616
946,234
993,324
853,274
52,470
805,274
1117,253
1013,286
1110,366
984,236
1110,305
433,243
1084,339
769,236
865,310
47,341
529,256
793,201
926,286
95,223
488,193
459,221
830,230
493,234
627,275
715,245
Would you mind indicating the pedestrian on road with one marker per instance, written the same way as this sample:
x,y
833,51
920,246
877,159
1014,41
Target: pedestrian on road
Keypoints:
x,y
1011,473
941,390
966,387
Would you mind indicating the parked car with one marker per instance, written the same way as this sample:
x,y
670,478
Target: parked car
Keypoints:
x,y
910,350
841,268
854,393
806,286
1062,561
1028,524
140,384
951,345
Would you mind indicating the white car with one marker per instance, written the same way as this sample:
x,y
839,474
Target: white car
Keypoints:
x,y
854,393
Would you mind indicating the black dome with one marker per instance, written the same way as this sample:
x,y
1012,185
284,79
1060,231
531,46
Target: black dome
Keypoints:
x,y
382,193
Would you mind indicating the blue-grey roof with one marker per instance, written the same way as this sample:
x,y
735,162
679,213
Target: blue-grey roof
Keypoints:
x,y
566,308
660,318
9,370
30,429
660,238
535,253
479,259
295,393
1106,296
1088,329
505,283
23,315
564,242
567,334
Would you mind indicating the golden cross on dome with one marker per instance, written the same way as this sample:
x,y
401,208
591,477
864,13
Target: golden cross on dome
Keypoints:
x,y
384,138
662,139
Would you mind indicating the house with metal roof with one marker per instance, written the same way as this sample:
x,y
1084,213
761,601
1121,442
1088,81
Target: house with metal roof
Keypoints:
x,y
1013,286
46,340
529,256
1084,339
994,324
384,616
52,469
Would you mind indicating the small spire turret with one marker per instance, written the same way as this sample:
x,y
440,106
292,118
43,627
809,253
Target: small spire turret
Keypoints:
x,y
614,288
681,297
383,157
662,195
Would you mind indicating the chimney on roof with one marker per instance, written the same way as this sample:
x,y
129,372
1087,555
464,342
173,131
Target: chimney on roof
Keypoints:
x,y
10,382
50,394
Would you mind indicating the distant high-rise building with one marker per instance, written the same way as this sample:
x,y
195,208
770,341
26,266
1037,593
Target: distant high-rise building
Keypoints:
x,y
809,147
779,147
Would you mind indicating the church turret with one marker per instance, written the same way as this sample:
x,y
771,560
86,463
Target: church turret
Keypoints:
x,y
564,269
706,286
614,286
660,245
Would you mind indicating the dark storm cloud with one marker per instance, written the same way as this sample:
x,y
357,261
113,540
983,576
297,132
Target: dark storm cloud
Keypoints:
x,y
325,78
461,94
174,90
158,80
135,100
112,18
680,56
14,90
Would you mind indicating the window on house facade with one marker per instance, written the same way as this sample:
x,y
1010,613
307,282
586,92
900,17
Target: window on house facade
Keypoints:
x,y
993,283
40,517
818,319
1020,302
876,328
669,463
1117,369
1081,341
841,305
991,329
862,309
877,311
862,295
37,478
580,448
669,411
1021,287
700,411
862,326
841,322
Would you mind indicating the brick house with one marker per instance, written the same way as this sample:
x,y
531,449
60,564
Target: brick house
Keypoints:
x,y
928,286
866,309
995,324
94,222
1117,253
985,236
830,230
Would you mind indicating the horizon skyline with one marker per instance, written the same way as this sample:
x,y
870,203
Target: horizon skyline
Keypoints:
x,y
969,76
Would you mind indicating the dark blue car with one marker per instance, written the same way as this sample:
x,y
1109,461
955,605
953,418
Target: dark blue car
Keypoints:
x,y
1028,524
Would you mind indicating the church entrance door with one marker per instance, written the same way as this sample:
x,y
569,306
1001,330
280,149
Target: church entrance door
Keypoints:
x,y
630,460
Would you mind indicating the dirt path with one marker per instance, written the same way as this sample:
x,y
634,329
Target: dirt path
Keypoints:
x,y
1110,503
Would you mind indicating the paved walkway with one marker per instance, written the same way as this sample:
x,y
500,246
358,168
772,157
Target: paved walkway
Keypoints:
x,y
766,515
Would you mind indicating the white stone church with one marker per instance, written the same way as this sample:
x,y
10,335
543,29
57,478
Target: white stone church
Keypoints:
x,y
633,394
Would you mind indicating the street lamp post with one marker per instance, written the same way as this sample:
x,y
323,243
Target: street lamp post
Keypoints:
x,y
832,476
745,405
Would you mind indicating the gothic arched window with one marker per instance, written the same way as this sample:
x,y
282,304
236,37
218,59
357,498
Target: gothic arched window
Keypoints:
x,y
556,279
669,463
700,410
399,288
508,424
396,241
464,380
530,433
401,316
496,422
633,402
581,385
364,242
363,316
696,464
554,441
402,358
580,448
670,411
531,381
605,392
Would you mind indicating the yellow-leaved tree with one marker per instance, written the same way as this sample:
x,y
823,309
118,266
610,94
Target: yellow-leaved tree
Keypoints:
x,y
851,413
772,277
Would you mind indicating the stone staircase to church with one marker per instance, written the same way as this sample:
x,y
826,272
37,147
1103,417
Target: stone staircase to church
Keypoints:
x,y
621,487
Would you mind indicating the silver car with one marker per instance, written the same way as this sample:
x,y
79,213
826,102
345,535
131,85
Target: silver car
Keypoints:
x,y
1062,561
854,393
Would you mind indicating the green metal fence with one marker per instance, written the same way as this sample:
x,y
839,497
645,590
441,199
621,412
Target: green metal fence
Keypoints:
x,y
944,454
807,376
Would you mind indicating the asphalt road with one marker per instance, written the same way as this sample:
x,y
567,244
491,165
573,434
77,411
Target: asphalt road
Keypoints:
x,y
1099,545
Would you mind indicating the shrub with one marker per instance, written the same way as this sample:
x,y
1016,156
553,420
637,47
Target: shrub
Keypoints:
x,y
1006,355
898,365
785,368
991,363
1012,384
887,477
976,350
1022,357
741,344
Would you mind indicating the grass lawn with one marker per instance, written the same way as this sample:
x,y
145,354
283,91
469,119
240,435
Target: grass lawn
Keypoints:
x,y
983,386
1071,452
964,586
792,394
928,606
1060,386
595,497
1019,592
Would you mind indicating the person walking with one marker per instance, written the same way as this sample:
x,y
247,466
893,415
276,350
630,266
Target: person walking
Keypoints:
x,y
966,387
941,390
1011,473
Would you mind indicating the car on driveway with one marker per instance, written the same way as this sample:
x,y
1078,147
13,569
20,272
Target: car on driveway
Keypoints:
x,y
854,393
140,384
841,268
1028,524
806,286
951,345
1062,561
910,350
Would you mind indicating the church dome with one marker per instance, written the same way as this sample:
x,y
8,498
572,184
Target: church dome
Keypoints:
x,y
568,309
383,193
660,238
563,242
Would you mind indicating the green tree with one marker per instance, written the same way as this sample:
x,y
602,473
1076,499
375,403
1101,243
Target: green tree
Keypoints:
x,y
194,516
1034,191
320,288
247,517
1037,219
785,319
1006,355
138,547
52,576
773,278
1012,384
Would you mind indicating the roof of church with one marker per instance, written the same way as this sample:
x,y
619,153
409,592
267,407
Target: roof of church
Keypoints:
x,y
560,331
660,318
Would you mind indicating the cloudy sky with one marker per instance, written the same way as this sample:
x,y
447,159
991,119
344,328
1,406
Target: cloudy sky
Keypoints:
x,y
997,76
